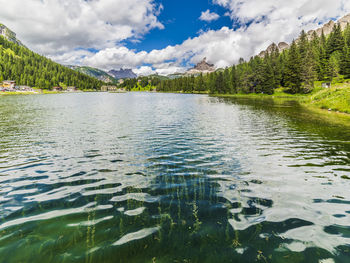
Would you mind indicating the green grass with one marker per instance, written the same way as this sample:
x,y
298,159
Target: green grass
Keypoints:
x,y
336,98
139,88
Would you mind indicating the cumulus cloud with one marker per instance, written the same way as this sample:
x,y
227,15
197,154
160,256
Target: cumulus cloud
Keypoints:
x,y
144,71
260,24
102,24
218,46
58,26
209,16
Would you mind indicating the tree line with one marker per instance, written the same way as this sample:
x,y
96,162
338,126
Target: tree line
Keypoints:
x,y
30,69
308,59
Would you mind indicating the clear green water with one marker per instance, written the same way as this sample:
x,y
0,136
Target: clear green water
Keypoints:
x,y
171,178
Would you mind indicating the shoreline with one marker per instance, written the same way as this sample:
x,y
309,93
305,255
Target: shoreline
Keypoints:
x,y
301,99
306,100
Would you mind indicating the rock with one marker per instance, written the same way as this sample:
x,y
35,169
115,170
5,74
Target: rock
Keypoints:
x,y
122,74
280,47
202,67
9,35
344,21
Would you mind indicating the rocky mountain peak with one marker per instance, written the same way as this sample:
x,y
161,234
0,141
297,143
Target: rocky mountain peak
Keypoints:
x,y
122,74
280,47
202,67
344,21
328,27
9,35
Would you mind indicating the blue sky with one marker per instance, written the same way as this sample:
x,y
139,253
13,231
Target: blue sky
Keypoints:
x,y
180,20
161,36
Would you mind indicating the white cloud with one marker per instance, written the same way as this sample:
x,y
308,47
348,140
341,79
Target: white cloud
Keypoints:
x,y
102,24
209,16
58,26
144,71
261,23
305,11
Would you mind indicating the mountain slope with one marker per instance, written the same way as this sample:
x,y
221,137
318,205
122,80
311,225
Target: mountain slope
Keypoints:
x,y
28,68
122,74
95,73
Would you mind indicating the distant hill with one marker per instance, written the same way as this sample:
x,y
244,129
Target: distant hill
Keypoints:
x,y
122,74
95,73
175,75
28,68
160,77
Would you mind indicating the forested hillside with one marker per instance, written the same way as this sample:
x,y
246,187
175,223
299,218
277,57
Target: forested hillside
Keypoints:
x,y
28,68
296,69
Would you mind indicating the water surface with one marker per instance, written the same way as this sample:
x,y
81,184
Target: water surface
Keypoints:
x,y
138,177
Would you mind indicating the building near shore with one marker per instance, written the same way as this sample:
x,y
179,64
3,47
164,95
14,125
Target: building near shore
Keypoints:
x,y
9,84
109,88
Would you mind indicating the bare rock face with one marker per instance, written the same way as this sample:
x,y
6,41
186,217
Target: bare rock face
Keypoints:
x,y
9,35
202,67
280,47
328,28
122,74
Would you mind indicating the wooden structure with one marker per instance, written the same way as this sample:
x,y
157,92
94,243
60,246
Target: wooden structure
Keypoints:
x,y
109,88
9,84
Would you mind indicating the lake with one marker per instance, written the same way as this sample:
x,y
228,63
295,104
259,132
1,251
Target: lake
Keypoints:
x,y
137,177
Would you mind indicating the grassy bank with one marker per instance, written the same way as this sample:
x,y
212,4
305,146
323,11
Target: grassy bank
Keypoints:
x,y
336,98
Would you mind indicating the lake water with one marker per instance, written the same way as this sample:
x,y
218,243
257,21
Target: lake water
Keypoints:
x,y
136,177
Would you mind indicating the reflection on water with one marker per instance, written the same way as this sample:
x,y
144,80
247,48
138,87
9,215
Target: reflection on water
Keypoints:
x,y
171,178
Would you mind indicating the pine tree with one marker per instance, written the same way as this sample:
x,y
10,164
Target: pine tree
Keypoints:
x,y
346,62
293,69
335,41
308,71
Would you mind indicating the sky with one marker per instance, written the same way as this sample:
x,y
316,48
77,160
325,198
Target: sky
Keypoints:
x,y
161,36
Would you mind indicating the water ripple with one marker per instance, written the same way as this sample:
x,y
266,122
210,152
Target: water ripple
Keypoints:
x,y
171,178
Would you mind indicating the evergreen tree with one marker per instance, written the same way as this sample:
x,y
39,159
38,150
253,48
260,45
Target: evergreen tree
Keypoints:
x,y
293,70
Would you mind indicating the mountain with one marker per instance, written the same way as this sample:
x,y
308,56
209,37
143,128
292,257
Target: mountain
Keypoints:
x,y
9,35
160,77
326,29
281,46
27,68
122,74
95,73
201,67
